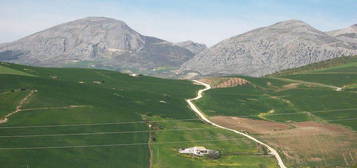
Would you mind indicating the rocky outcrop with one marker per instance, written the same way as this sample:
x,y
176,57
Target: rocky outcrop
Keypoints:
x,y
98,42
266,50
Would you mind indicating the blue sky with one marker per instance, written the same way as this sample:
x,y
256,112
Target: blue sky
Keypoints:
x,y
206,21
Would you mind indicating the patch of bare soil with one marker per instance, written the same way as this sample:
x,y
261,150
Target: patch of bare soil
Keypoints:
x,y
224,82
326,145
249,125
288,86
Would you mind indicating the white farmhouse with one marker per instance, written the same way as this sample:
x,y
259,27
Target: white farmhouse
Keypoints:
x,y
197,150
134,75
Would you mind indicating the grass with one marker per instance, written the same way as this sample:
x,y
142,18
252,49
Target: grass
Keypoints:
x,y
104,97
339,72
275,99
331,64
296,104
7,70
120,98
235,150
338,79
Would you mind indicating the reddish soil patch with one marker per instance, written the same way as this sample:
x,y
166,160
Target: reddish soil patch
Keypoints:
x,y
224,82
326,145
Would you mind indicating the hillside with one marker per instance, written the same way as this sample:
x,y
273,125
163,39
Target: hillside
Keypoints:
x,y
336,62
192,46
308,113
95,42
55,117
348,34
267,50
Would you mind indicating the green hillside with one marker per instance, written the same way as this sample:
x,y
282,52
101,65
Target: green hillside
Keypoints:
x,y
323,93
340,72
95,118
309,92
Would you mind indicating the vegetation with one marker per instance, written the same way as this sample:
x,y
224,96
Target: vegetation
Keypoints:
x,y
323,65
6,70
309,93
76,111
236,151
300,101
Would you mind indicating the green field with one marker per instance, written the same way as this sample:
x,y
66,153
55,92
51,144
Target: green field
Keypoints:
x,y
6,70
312,101
96,118
304,94
341,72
236,151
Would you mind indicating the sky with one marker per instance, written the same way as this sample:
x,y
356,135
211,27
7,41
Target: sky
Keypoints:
x,y
204,21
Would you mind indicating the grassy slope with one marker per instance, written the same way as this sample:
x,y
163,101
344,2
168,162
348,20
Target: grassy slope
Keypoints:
x,y
6,70
271,99
120,98
341,72
236,151
308,102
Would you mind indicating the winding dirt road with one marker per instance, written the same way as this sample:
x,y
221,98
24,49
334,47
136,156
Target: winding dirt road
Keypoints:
x,y
272,151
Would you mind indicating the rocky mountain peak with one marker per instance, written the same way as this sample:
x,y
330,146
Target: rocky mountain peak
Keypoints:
x,y
290,22
104,42
192,46
292,26
269,49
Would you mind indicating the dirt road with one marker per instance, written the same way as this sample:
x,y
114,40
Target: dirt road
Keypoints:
x,y
204,118
18,107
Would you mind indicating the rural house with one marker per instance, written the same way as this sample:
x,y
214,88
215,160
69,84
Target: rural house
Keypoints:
x,y
198,151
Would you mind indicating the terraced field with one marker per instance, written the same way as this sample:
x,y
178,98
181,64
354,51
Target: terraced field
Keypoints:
x,y
96,118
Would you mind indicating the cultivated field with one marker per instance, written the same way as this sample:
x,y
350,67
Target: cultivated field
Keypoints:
x,y
309,114
94,118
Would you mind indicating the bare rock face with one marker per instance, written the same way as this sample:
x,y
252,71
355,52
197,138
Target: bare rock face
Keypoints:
x,y
348,34
192,46
266,50
98,40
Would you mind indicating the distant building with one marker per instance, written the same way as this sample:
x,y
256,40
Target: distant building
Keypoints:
x,y
98,82
200,151
133,74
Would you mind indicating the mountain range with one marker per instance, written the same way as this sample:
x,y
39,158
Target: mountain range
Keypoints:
x,y
99,42
96,42
266,50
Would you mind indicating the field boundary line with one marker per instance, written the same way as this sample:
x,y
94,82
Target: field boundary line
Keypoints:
x,y
95,124
113,145
189,119
98,133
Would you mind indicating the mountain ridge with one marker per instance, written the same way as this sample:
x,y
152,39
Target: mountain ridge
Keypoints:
x,y
348,34
266,50
102,41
